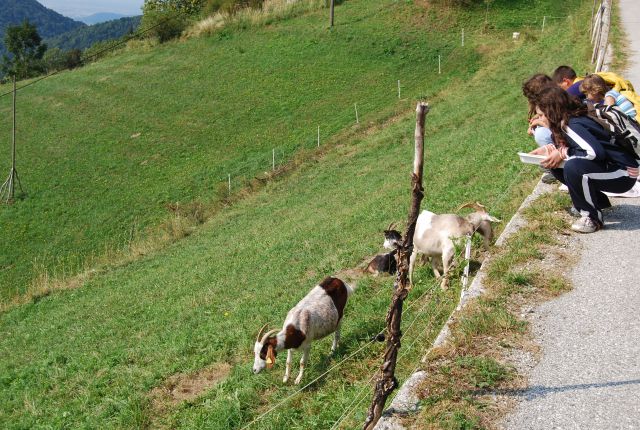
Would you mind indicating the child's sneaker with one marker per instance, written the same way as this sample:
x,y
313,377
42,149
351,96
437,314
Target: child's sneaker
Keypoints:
x,y
586,225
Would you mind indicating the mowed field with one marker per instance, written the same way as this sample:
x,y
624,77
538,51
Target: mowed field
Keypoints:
x,y
95,356
105,150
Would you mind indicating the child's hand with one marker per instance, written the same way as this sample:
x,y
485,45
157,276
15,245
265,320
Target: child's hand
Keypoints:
x,y
553,160
537,122
543,150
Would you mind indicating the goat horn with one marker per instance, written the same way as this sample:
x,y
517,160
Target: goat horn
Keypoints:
x,y
391,226
260,332
267,335
474,205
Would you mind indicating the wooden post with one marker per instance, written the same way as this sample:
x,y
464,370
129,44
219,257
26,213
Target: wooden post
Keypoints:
x,y
463,37
387,381
331,9
593,12
355,105
9,185
439,65
544,20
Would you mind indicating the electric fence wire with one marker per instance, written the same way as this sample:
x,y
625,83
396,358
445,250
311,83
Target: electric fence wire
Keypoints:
x,y
428,327
431,323
335,366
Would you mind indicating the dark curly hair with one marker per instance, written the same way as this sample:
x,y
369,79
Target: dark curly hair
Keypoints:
x,y
531,89
558,106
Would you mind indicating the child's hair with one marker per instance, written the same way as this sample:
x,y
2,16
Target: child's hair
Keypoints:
x,y
594,85
531,89
563,72
558,106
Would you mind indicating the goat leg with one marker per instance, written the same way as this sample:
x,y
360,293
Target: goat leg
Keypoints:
x,y
412,261
303,361
336,339
447,259
287,370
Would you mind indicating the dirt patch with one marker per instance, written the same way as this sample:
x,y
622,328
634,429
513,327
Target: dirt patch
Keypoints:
x,y
186,387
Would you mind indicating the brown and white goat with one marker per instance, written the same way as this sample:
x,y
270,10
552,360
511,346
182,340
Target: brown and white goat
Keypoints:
x,y
386,263
435,236
317,315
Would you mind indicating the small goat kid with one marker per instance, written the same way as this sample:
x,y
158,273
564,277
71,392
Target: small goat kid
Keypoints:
x,y
317,315
386,263
435,235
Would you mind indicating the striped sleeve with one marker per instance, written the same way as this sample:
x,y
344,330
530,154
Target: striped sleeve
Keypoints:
x,y
623,103
585,145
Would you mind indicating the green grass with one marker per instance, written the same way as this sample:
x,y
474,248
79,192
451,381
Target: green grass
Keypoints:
x,y
204,109
89,357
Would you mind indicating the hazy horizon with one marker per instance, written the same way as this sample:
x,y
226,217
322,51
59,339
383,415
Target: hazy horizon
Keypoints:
x,y
83,8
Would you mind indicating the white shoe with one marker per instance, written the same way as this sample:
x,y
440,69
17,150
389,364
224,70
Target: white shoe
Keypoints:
x,y
585,225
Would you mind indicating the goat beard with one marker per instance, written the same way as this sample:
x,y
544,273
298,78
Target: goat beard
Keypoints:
x,y
271,357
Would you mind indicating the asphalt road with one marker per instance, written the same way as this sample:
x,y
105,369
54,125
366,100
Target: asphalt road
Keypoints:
x,y
589,374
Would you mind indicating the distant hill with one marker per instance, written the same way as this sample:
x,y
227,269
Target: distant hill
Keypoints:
x,y
84,37
48,22
97,18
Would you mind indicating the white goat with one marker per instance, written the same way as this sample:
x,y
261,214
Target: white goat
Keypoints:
x,y
317,315
435,235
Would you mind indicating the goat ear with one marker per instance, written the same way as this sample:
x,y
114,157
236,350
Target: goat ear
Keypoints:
x,y
271,357
479,207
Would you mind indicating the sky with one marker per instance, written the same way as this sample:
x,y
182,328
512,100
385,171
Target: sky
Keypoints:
x,y
80,8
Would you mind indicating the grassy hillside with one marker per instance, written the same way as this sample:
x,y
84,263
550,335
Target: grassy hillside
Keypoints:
x,y
91,357
104,151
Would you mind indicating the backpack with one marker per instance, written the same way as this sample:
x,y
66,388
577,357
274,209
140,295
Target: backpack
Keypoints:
x,y
624,131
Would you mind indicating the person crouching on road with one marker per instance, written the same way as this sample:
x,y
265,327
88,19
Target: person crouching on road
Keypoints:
x,y
592,164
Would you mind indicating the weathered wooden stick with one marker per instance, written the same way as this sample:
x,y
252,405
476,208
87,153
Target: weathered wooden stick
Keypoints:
x,y
387,381
331,12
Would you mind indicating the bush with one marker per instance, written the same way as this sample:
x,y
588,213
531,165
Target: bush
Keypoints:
x,y
164,25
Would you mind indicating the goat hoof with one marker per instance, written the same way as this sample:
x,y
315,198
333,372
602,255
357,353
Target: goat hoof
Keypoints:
x,y
297,381
285,379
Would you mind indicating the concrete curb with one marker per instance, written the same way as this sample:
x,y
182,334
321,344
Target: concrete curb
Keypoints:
x,y
407,400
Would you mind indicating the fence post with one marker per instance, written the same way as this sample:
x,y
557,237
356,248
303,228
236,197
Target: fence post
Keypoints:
x,y
544,20
332,7
10,184
355,105
387,381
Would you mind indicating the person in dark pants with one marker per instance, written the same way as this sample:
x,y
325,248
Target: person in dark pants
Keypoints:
x,y
592,163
